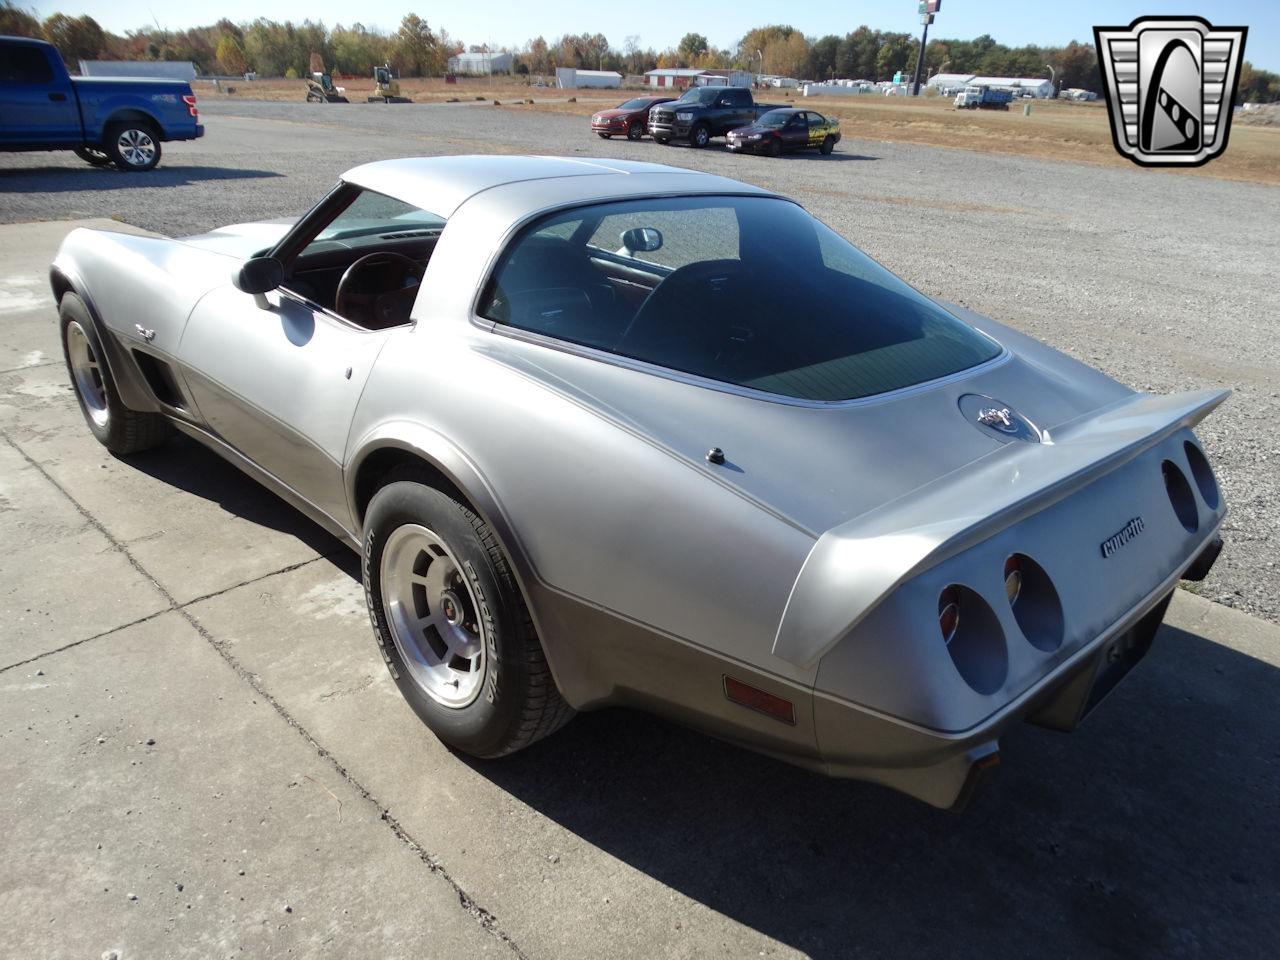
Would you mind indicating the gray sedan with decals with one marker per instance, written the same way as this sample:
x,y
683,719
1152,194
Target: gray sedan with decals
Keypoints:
x,y
607,432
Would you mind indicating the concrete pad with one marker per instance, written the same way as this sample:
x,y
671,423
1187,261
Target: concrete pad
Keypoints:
x,y
60,578
157,807
554,893
1145,833
27,310
175,508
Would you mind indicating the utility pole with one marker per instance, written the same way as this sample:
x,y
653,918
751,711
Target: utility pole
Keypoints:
x,y
927,9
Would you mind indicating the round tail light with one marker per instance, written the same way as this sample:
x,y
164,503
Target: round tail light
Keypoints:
x,y
949,613
976,642
1034,601
1013,577
1180,496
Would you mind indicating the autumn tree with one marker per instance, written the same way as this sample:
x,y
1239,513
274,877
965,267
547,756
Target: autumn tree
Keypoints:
x,y
77,38
230,56
356,50
692,46
414,49
16,22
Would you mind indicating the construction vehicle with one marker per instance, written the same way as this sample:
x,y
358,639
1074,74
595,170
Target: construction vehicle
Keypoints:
x,y
386,88
320,89
974,97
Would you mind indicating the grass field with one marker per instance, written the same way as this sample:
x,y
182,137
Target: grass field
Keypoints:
x,y
1054,130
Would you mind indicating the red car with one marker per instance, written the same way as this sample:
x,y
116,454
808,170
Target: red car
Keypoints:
x,y
630,119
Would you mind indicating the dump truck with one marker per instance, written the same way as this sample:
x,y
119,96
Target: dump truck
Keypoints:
x,y
974,97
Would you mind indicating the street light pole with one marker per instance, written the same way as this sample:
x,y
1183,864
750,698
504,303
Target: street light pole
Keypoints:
x,y
924,39
927,9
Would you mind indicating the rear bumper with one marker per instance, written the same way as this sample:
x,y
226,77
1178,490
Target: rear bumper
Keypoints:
x,y
942,768
193,134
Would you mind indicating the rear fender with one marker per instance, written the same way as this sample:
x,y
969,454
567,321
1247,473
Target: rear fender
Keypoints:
x,y
439,452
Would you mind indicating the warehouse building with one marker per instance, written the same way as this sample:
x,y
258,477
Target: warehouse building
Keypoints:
x,y
948,83
480,64
143,69
681,78
572,77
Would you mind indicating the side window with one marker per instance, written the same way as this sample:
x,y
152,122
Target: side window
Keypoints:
x,y
738,98
712,235
816,120
24,64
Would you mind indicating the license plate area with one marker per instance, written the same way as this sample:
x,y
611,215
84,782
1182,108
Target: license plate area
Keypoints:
x,y
1073,700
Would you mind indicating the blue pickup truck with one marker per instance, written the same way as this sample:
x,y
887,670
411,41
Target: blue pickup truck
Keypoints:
x,y
105,120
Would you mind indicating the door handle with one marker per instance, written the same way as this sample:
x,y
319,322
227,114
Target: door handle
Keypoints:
x,y
58,96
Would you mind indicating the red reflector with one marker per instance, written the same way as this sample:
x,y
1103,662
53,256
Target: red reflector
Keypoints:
x,y
754,699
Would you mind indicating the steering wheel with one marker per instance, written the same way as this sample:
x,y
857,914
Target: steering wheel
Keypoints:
x,y
378,290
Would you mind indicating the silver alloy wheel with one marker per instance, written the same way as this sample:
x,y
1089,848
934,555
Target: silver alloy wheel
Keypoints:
x,y
136,146
433,616
87,374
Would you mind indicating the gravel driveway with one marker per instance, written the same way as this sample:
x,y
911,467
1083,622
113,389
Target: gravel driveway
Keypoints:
x,y
1166,282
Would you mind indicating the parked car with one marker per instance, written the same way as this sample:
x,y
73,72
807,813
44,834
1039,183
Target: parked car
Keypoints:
x,y
619,433
786,129
629,119
705,112
105,120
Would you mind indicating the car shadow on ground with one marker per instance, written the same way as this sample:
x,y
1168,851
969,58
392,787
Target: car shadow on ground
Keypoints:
x,y
792,155
190,466
52,179
1149,832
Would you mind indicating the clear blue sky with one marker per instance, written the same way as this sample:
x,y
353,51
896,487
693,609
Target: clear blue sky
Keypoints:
x,y
661,23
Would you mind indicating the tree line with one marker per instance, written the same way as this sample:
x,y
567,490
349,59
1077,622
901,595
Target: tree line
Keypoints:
x,y
271,48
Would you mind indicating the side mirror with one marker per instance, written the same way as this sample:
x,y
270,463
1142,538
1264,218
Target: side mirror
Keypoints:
x,y
259,275
642,240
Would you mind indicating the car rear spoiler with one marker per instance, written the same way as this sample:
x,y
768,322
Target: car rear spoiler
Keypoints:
x,y
854,566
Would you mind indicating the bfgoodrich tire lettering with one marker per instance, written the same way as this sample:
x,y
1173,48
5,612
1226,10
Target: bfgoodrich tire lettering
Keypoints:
x,y
518,702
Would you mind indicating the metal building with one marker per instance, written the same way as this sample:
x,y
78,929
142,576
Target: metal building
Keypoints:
x,y
480,64
144,69
572,77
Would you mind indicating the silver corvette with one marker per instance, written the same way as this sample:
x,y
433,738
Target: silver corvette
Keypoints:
x,y
618,433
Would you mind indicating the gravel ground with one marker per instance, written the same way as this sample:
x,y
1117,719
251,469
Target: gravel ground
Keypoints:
x,y
1165,282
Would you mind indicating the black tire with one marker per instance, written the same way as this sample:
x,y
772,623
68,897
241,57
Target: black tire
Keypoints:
x,y
635,131
828,145
665,141
132,146
775,147
93,156
603,136
115,426
518,702
699,136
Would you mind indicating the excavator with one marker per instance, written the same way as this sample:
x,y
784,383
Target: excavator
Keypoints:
x,y
386,88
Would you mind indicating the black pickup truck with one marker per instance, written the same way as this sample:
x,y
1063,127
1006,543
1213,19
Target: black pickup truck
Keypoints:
x,y
703,113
